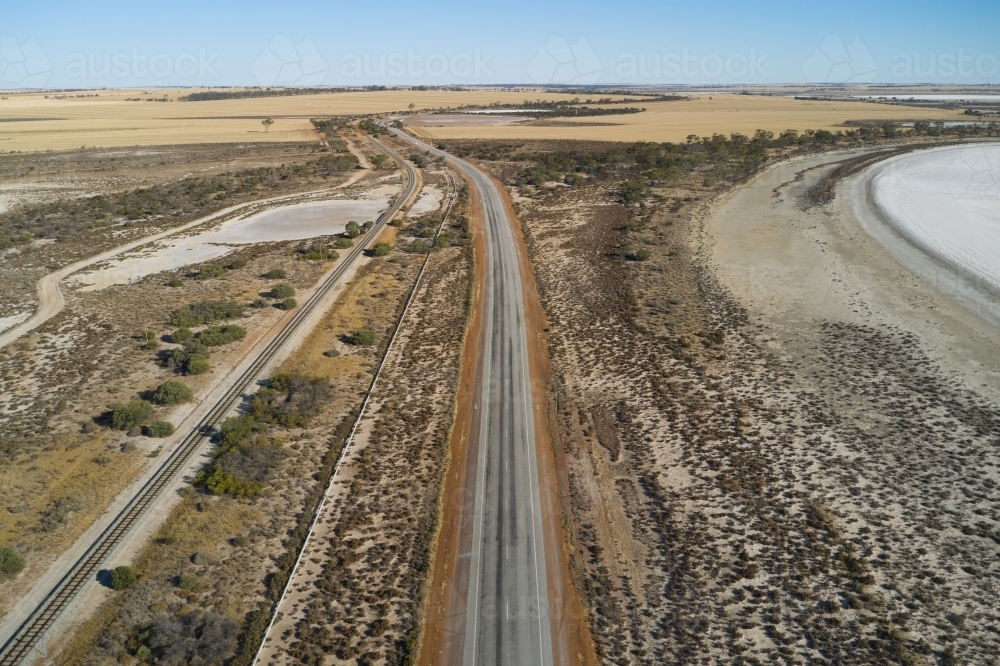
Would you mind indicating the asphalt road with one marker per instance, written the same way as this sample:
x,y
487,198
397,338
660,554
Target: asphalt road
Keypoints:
x,y
507,616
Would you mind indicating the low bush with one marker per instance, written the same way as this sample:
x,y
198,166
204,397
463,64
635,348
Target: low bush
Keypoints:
x,y
343,243
288,304
160,429
11,563
352,230
208,271
181,335
196,365
123,577
175,282
283,290
201,638
187,581
149,340
275,274
205,312
236,264
214,336
132,414
381,249
172,392
259,304
363,336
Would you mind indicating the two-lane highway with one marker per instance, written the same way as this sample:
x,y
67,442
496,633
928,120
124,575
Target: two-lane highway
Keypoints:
x,y
507,612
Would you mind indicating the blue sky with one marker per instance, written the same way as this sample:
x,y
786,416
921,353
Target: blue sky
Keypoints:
x,y
115,43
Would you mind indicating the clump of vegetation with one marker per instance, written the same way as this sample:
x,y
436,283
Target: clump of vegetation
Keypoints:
x,y
187,581
200,638
318,252
283,290
208,271
236,264
192,357
352,230
363,337
288,304
205,312
172,392
175,282
275,274
381,249
181,335
132,414
196,365
160,429
247,453
11,563
123,577
149,340
343,243
215,336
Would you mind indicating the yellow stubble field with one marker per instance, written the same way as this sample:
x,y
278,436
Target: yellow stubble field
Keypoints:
x,y
60,121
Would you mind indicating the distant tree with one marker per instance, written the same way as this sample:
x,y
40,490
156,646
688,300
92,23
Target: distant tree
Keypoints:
x,y
412,106
352,230
267,122
123,577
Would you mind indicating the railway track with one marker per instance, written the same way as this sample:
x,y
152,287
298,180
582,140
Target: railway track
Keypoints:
x,y
27,636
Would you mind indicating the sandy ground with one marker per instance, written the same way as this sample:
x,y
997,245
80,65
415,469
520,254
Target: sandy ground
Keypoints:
x,y
428,202
789,268
69,121
703,115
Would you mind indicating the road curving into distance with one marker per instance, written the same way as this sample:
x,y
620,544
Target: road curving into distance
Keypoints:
x,y
31,633
507,609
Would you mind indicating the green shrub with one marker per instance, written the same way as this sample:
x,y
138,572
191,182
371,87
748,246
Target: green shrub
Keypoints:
x,y
149,340
210,271
426,232
343,243
363,336
196,365
441,241
172,392
132,414
259,304
160,429
275,274
352,230
205,312
282,291
381,249
214,336
187,581
11,563
288,304
181,335
236,264
175,282
122,577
